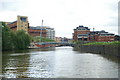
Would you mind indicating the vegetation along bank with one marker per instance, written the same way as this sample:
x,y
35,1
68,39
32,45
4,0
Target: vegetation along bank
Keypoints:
x,y
108,48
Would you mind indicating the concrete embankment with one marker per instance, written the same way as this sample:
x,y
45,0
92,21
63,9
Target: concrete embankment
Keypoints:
x,y
112,50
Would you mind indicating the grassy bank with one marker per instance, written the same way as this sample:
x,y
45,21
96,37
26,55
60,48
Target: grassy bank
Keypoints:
x,y
103,43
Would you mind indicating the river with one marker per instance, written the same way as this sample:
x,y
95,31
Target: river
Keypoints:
x,y
58,62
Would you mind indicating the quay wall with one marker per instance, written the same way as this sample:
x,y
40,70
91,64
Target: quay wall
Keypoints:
x,y
112,50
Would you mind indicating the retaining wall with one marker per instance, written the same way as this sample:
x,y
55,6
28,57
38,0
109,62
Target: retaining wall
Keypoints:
x,y
100,49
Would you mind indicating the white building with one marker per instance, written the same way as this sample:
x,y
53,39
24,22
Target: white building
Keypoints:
x,y
50,32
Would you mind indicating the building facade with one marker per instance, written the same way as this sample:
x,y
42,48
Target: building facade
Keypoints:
x,y
50,33
20,24
43,31
101,36
82,33
37,31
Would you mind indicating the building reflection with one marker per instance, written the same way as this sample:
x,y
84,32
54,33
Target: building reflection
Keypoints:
x,y
15,65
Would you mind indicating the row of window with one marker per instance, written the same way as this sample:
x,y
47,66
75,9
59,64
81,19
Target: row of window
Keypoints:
x,y
38,32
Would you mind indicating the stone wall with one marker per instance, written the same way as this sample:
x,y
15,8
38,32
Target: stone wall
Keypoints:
x,y
100,49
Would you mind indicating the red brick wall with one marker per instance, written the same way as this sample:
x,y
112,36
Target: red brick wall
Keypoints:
x,y
93,37
105,38
76,32
81,32
34,32
12,26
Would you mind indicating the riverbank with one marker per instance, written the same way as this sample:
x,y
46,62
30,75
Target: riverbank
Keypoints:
x,y
107,48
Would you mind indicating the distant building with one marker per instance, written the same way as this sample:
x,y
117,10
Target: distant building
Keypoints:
x,y
45,31
117,38
106,37
50,33
20,24
64,39
58,39
101,36
93,36
82,33
36,31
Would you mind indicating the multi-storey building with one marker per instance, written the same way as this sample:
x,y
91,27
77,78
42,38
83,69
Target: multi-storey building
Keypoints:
x,y
117,38
81,33
20,24
43,31
101,36
84,34
105,37
37,31
50,33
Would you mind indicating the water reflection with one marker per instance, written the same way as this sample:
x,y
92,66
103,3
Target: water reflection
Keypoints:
x,y
59,62
15,64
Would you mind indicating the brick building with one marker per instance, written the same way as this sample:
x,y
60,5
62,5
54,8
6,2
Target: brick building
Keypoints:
x,y
45,31
20,24
36,31
106,37
82,33
117,38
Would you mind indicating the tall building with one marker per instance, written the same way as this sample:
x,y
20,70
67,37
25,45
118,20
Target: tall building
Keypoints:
x,y
20,24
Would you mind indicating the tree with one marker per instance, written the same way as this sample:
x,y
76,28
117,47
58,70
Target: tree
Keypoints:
x,y
14,40
21,40
38,39
7,43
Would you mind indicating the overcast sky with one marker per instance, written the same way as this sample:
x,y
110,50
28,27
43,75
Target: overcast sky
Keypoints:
x,y
64,15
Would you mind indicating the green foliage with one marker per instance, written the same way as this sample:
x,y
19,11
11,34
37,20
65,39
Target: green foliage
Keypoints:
x,y
104,43
38,39
14,40
21,40
47,40
78,42
6,38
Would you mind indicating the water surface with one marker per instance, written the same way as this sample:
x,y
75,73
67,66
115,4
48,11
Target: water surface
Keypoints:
x,y
59,62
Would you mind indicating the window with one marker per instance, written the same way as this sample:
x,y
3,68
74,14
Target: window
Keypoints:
x,y
23,19
85,39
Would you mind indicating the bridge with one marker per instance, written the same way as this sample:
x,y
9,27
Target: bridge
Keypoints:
x,y
58,43
55,44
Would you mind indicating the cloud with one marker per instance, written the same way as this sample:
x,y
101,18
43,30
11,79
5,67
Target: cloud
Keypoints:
x,y
63,15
